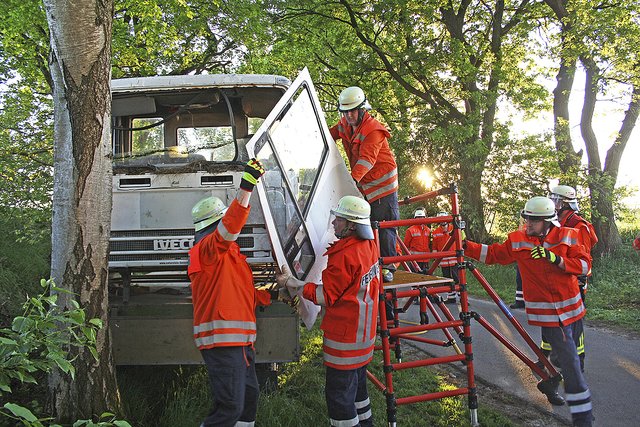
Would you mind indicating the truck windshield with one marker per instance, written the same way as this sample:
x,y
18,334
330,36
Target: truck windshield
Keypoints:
x,y
210,143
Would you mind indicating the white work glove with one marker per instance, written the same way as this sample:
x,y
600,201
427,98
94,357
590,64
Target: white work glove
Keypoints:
x,y
288,284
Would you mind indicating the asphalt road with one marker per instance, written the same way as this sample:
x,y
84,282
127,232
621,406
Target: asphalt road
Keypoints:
x,y
612,367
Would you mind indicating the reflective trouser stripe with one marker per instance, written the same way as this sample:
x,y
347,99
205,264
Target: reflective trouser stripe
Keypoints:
x,y
345,423
363,403
579,402
365,415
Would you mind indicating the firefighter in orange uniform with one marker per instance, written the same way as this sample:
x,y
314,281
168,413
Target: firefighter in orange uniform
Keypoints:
x,y
349,295
417,238
224,303
440,238
550,258
567,208
373,165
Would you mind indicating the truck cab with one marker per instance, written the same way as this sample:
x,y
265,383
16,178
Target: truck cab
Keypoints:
x,y
178,139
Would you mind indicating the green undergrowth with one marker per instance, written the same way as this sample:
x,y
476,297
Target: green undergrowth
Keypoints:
x,y
22,265
180,396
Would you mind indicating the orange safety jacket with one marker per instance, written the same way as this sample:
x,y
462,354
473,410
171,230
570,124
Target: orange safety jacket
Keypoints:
x,y
586,232
417,238
551,295
440,238
372,163
223,294
349,292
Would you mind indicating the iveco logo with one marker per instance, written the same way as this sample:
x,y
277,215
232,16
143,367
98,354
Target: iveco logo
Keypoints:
x,y
172,244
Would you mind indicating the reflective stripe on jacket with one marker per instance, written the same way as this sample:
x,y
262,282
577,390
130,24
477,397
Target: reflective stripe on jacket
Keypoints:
x,y
373,165
440,238
551,295
349,291
417,239
223,294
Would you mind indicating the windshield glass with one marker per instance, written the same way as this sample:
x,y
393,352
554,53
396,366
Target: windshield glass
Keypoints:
x,y
212,143
292,151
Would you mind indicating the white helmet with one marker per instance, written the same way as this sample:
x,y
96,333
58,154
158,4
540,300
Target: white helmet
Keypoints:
x,y
540,207
566,194
356,210
420,213
207,211
352,97
353,209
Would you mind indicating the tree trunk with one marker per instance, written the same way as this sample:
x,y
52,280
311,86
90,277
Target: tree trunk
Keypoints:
x,y
601,182
471,201
80,67
568,160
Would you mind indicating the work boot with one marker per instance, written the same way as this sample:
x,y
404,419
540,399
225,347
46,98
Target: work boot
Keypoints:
x,y
387,275
549,388
517,304
555,399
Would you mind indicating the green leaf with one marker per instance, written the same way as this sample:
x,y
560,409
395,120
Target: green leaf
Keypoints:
x,y
21,324
7,341
96,322
77,316
94,352
20,411
107,415
120,423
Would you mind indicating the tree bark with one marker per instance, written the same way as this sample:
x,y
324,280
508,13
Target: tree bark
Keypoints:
x,y
601,181
569,159
80,65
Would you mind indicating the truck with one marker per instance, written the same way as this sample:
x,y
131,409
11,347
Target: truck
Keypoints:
x,y
178,139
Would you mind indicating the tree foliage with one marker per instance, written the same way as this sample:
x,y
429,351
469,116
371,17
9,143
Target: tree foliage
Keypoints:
x,y
434,71
603,38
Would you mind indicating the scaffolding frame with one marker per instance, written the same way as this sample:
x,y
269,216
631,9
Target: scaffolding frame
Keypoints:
x,y
426,288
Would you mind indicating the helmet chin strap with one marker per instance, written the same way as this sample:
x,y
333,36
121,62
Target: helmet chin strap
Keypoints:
x,y
347,231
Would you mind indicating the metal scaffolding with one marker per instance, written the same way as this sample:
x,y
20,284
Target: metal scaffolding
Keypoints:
x,y
425,288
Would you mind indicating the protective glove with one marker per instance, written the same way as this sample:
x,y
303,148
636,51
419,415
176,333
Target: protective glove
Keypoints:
x,y
540,252
285,279
253,170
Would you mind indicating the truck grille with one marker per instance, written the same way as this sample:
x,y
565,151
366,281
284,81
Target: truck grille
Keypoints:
x,y
144,248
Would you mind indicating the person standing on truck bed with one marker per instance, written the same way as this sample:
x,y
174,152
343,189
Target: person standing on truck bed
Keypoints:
x,y
349,293
373,165
224,303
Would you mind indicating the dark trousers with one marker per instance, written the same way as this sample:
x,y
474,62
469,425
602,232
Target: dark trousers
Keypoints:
x,y
386,209
576,390
451,273
234,385
347,397
519,295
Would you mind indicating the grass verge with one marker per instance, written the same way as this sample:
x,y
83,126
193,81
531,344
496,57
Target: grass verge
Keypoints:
x,y
180,397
